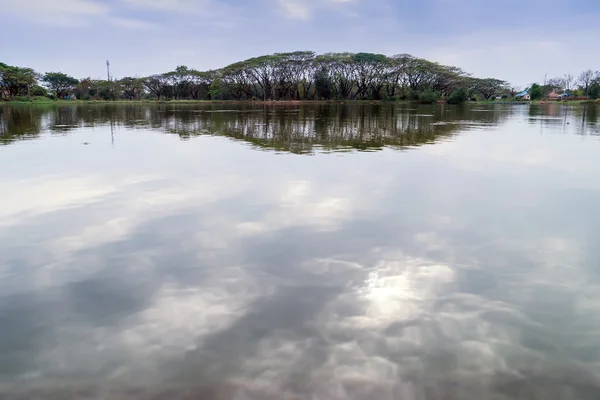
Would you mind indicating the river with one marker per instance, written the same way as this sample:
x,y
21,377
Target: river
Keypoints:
x,y
311,251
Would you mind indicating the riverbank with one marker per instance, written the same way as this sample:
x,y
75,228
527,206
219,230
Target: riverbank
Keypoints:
x,y
47,101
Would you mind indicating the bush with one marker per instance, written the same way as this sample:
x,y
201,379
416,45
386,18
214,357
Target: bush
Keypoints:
x,y
535,92
428,97
577,93
39,91
459,96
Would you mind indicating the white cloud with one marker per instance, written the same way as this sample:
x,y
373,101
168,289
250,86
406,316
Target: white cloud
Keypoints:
x,y
302,9
35,197
172,5
58,12
296,9
131,23
72,13
520,56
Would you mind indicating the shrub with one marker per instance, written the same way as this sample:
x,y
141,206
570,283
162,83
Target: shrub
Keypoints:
x,y
535,92
459,96
428,97
39,91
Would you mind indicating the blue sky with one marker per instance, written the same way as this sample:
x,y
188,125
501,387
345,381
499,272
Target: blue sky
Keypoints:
x,y
516,40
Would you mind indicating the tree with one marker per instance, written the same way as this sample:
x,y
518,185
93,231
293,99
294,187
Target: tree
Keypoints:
x,y
236,81
61,84
156,84
370,72
131,88
489,87
322,84
594,89
86,89
281,76
17,81
568,81
459,96
556,84
585,80
428,97
514,90
535,92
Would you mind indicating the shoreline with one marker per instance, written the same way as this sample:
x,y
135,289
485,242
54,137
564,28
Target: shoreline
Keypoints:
x,y
39,101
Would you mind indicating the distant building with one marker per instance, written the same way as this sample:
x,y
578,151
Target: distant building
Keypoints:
x,y
524,95
565,95
554,96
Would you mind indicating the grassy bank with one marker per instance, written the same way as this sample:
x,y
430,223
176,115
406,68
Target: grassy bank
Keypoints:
x,y
47,101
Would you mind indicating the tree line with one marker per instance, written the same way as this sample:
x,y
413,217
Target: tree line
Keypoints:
x,y
301,75
585,85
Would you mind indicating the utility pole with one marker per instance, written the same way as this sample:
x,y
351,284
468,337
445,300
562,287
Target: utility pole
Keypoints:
x,y
108,70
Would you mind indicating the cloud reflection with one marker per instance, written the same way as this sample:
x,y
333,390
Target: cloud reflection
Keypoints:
x,y
242,280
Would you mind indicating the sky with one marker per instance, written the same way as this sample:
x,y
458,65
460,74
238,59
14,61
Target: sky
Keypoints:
x,y
520,41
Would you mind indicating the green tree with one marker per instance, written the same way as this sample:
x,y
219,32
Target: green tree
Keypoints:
x,y
280,76
586,78
157,85
458,96
131,88
16,81
594,89
217,90
61,84
535,92
322,84
428,97
489,87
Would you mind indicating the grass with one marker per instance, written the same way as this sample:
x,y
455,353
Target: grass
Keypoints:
x,y
46,100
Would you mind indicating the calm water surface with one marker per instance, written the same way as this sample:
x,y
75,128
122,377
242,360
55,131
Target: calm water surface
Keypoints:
x,y
300,252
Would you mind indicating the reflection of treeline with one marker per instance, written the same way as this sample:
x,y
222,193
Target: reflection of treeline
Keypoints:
x,y
287,128
582,120
17,123
301,75
330,127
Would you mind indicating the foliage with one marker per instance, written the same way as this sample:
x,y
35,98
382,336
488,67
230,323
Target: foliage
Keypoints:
x,y
586,79
459,96
428,97
594,89
61,84
299,75
577,93
488,87
535,92
16,81
39,91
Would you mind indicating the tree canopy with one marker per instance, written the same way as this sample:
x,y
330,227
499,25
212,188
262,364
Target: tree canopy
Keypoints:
x,y
299,75
60,83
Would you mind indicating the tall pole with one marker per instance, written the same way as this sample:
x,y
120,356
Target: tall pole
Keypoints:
x,y
108,70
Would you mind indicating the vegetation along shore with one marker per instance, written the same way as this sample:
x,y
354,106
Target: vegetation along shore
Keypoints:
x,y
297,76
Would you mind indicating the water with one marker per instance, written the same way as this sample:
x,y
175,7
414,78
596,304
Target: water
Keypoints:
x,y
300,252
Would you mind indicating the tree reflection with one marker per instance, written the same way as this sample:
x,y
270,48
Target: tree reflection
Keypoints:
x,y
291,128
